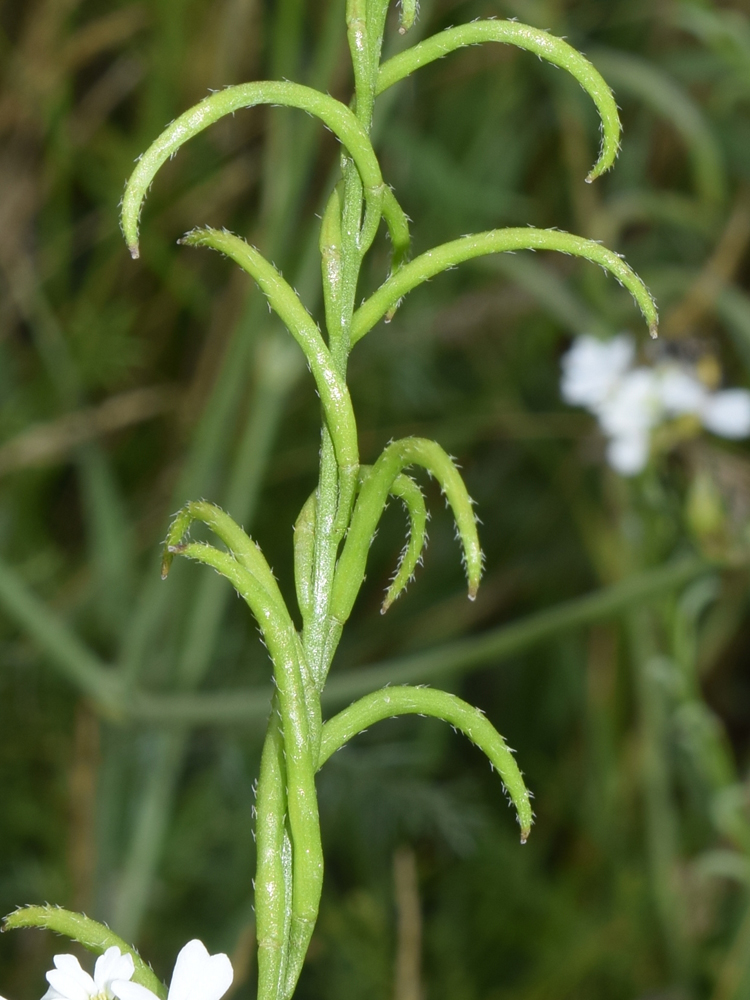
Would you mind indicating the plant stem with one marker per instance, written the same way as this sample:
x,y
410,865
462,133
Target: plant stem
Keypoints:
x,y
660,817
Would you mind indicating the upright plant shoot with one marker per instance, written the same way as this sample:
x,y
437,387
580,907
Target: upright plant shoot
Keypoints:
x,y
336,525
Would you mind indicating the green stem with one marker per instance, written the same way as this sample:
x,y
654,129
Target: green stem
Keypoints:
x,y
154,809
273,876
660,812
299,708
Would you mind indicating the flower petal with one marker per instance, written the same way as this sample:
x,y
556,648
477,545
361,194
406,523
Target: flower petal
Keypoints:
x,y
189,965
592,367
112,965
680,391
727,413
200,976
215,979
75,978
71,987
125,990
633,407
70,965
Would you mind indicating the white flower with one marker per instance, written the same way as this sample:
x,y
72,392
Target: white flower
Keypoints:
x,y
633,406
592,367
680,391
68,981
197,976
627,415
630,402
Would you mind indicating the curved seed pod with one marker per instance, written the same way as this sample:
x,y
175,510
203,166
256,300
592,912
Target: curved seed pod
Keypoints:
x,y
428,264
392,701
542,44
243,548
369,507
331,112
304,556
300,746
334,394
92,935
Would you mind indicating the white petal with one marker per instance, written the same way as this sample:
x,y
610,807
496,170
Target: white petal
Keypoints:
x,y
71,965
680,391
76,978
70,987
187,968
592,367
125,990
628,455
634,407
52,994
728,413
215,979
112,965
198,976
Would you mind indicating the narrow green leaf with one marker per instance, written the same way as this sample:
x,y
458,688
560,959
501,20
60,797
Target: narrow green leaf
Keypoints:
x,y
331,112
332,388
542,44
93,936
408,15
428,264
412,497
393,701
369,508
242,547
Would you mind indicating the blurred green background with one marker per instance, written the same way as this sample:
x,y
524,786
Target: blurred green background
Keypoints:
x,y
129,727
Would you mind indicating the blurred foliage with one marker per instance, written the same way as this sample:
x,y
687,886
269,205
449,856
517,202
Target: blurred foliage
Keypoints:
x,y
127,388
